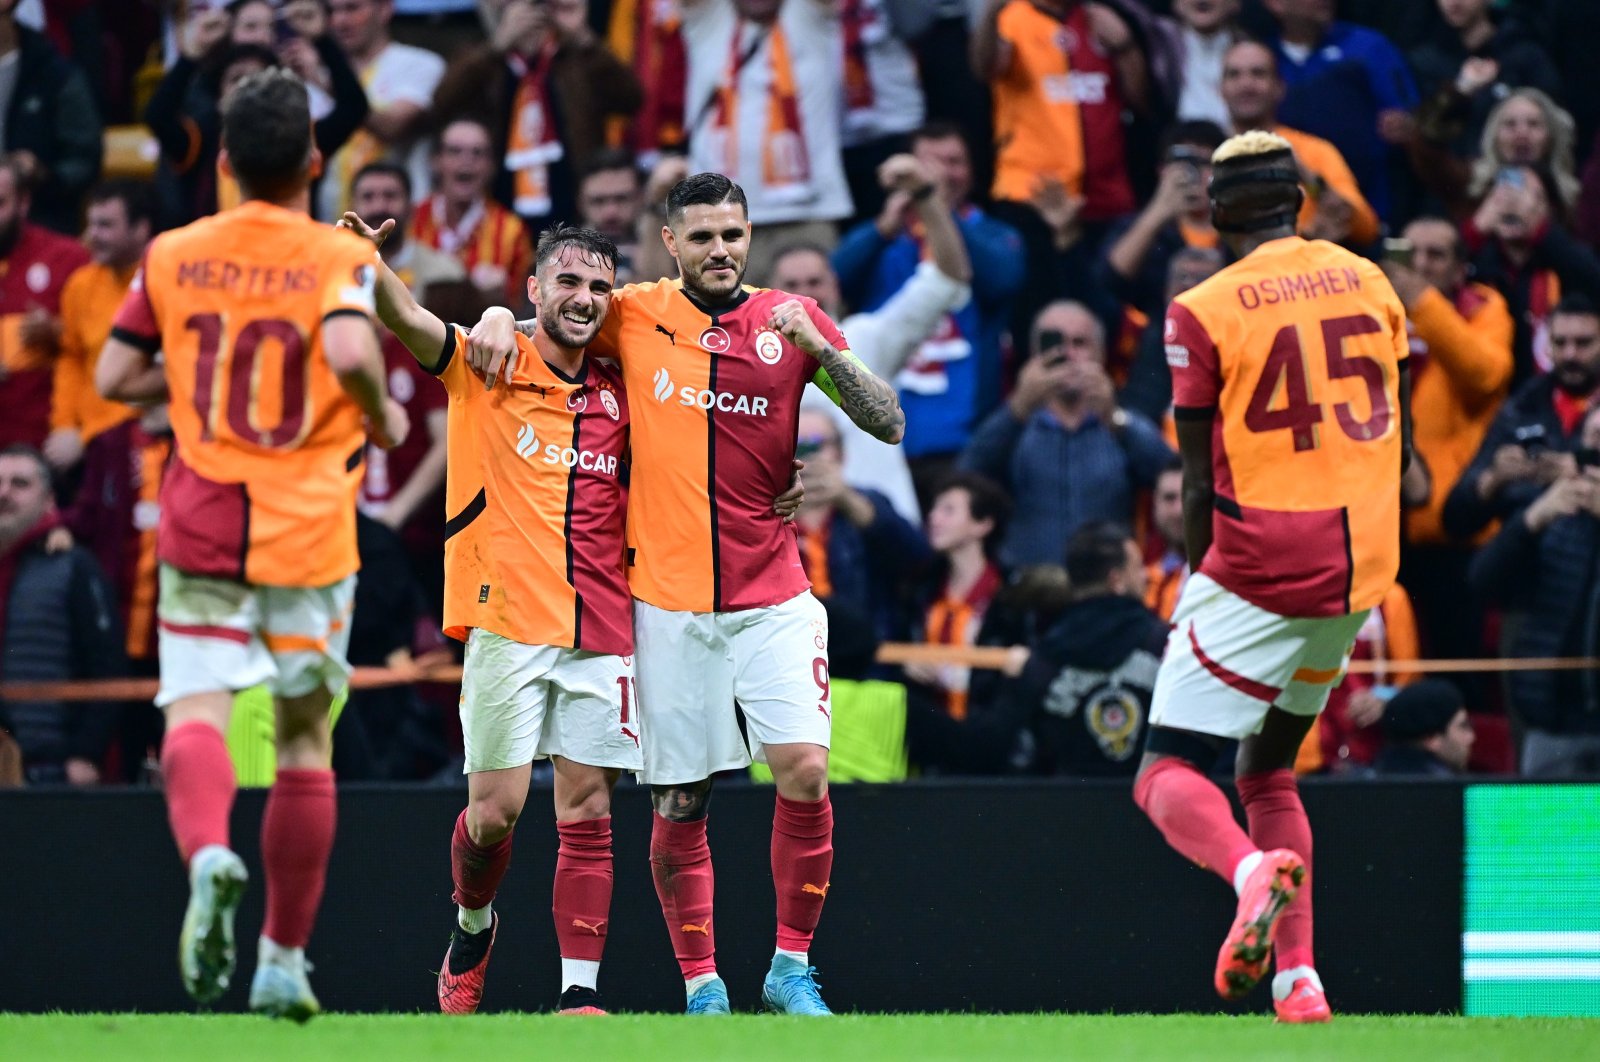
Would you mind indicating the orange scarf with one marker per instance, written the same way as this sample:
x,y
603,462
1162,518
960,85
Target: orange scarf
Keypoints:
x,y
785,165
532,146
862,24
955,621
646,34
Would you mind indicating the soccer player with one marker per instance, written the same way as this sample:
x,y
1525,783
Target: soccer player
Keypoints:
x,y
723,612
271,363
535,586
1292,404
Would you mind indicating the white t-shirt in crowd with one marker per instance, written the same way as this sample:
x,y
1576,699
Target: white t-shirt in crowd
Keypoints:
x,y
811,31
1201,97
897,103
400,73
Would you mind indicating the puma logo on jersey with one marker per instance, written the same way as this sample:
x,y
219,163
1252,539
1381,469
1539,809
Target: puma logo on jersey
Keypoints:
x,y
578,923
823,892
671,334
704,928
527,441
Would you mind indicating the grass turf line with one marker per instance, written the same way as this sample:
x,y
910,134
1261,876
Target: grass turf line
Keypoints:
x,y
351,1038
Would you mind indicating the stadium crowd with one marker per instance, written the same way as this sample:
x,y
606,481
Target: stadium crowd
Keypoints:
x,y
997,198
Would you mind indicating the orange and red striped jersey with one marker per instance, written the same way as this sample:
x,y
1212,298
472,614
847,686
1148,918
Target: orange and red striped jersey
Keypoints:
x,y
262,487
89,302
716,409
533,546
1296,350
489,235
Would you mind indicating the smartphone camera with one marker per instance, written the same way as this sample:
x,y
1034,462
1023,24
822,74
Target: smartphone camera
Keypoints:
x,y
1399,251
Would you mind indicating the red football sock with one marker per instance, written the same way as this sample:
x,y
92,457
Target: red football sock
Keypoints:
x,y
477,869
1193,815
680,862
198,777
296,840
802,860
581,900
1278,820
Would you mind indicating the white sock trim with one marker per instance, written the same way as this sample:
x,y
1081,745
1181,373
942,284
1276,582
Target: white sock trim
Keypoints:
x,y
475,921
270,953
1283,981
584,973
801,957
692,984
1246,867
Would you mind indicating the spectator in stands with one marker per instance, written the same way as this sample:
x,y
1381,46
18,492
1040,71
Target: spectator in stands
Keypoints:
x,y
1469,64
48,122
56,624
883,101
383,190
185,113
1061,445
1148,389
611,199
1429,732
764,106
648,37
34,266
855,548
1525,128
461,219
547,87
1062,72
1138,251
895,332
117,230
953,378
1522,246
965,526
1546,562
399,80
1346,84
1528,446
1164,577
1461,336
1344,737
1335,208
1206,29
1085,691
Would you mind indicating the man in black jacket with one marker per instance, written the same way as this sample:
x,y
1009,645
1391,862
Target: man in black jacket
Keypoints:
x,y
57,622
48,117
1429,732
1546,563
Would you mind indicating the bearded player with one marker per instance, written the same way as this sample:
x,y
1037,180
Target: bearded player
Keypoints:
x,y
1292,403
723,613
271,364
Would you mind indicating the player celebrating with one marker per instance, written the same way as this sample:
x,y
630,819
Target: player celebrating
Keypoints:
x,y
1292,403
271,363
723,611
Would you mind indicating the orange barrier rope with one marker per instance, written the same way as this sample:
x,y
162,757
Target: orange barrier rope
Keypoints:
x,y
984,657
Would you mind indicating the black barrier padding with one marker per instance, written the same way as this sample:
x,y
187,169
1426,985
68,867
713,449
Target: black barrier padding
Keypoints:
x,y
955,896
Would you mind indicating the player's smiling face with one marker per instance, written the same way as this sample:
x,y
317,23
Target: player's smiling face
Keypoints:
x,y
711,244
572,293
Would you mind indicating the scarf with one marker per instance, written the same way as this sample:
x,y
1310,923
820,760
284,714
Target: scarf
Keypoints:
x,y
11,560
646,34
785,164
862,24
955,621
531,145
814,558
1544,291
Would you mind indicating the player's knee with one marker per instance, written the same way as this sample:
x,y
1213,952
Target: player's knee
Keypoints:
x,y
590,801
491,821
805,777
682,803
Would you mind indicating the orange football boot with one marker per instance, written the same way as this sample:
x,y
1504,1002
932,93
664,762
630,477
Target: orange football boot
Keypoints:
x,y
579,1000
460,993
1267,891
1305,1004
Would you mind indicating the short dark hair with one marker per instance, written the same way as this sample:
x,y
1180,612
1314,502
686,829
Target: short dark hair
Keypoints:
x,y
1094,551
384,168
134,196
266,129
986,500
216,62
704,189
1197,131
1458,242
1575,304
608,160
940,130
1171,464
798,246
590,242
24,450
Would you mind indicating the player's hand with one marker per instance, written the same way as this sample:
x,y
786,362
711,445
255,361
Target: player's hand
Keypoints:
x,y
202,31
63,448
791,320
788,503
1476,74
82,772
40,330
1364,708
1565,497
352,221
395,426
492,346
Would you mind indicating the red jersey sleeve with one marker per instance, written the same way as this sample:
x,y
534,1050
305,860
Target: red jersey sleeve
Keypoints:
x,y
1192,356
135,323
830,331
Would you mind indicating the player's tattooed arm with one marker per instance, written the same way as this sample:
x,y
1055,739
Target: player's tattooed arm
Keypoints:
x,y
868,401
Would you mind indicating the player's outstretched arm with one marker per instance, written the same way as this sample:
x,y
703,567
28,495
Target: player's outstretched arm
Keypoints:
x,y
352,351
418,328
1199,492
866,399
126,373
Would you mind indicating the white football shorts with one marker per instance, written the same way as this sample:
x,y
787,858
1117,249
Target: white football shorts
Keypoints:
x,y
219,634
694,666
1228,661
521,703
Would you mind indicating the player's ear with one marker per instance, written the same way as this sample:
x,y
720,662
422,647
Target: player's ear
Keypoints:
x,y
533,290
315,168
670,241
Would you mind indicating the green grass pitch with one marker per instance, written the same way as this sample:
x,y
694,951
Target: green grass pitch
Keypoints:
x,y
645,1037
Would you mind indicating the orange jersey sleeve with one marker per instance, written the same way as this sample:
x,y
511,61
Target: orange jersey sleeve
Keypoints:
x,y
1297,349
264,480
